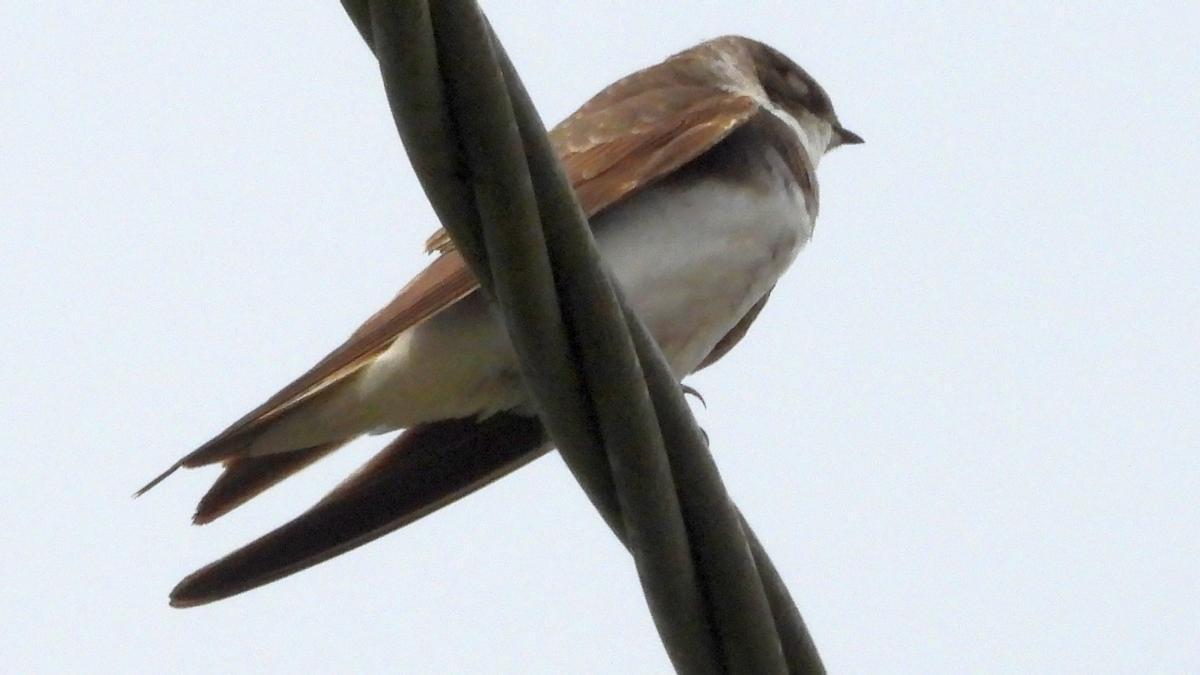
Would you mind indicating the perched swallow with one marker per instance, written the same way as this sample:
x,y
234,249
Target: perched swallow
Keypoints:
x,y
698,176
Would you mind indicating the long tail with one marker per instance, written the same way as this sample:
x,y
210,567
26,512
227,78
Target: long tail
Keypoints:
x,y
246,477
425,468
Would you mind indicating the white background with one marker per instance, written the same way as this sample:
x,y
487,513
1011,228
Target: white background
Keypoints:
x,y
965,426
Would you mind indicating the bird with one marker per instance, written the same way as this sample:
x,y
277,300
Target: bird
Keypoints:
x,y
698,178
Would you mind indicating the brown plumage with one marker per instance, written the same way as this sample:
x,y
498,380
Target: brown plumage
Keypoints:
x,y
613,146
637,131
425,468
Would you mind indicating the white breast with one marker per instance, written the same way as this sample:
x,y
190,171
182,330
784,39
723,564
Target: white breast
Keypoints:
x,y
694,258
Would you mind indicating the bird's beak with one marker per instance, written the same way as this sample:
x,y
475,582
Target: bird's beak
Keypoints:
x,y
847,137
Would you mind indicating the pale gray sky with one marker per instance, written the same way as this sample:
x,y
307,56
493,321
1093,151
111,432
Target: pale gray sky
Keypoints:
x,y
965,427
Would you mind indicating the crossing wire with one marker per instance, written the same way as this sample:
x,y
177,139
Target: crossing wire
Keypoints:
x,y
601,385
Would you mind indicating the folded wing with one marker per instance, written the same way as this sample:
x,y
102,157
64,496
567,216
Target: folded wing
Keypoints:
x,y
630,135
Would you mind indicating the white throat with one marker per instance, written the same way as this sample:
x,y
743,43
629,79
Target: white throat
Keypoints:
x,y
814,133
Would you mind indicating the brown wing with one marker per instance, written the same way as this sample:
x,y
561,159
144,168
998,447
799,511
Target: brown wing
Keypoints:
x,y
445,281
608,155
628,136
646,125
631,134
425,468
616,151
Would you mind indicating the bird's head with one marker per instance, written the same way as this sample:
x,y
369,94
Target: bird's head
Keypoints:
x,y
794,91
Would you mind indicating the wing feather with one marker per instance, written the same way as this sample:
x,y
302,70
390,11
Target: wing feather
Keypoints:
x,y
604,172
628,136
425,468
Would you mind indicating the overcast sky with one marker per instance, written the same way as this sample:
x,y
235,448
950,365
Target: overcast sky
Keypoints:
x,y
965,427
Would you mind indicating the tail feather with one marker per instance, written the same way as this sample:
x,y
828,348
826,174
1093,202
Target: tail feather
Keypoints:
x,y
425,468
243,439
247,477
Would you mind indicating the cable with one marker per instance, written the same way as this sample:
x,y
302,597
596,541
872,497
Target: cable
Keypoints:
x,y
601,385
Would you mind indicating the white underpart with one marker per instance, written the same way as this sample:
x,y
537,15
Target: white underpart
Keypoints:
x,y
692,261
813,132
